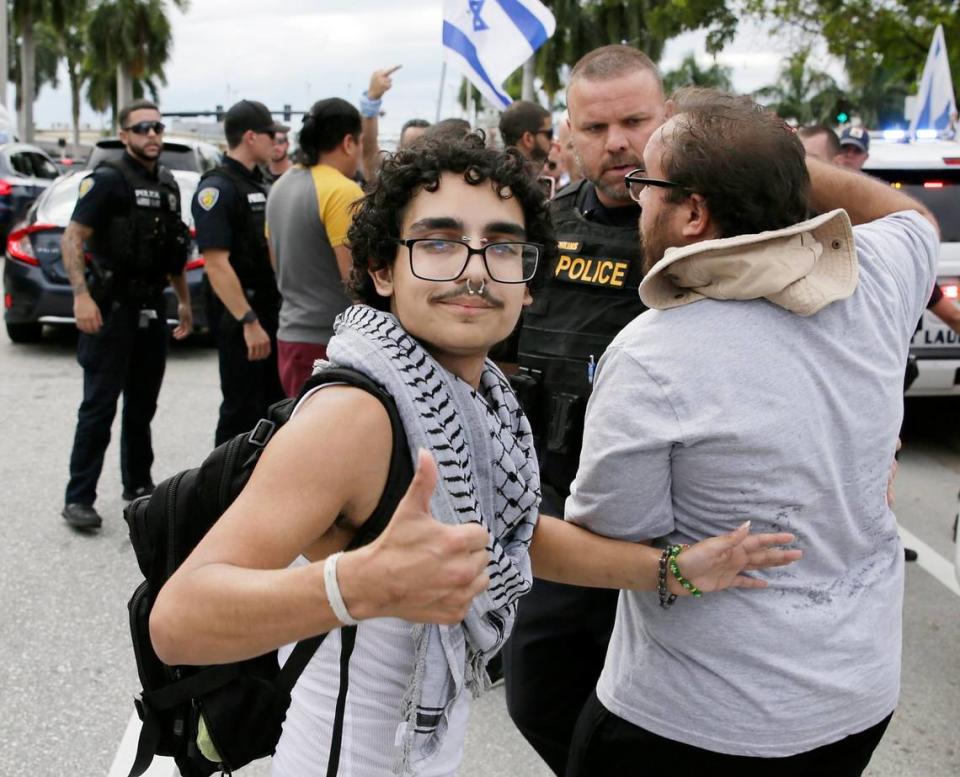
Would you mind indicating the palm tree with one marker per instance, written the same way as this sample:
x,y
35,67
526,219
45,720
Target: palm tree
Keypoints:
x,y
133,39
690,73
26,14
801,93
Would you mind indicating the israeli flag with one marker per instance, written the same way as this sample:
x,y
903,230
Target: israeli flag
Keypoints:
x,y
488,39
935,101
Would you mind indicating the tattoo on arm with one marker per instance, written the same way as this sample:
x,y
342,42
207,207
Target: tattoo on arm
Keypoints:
x,y
71,247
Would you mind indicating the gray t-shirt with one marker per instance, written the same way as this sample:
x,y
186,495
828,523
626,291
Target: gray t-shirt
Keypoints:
x,y
307,215
716,412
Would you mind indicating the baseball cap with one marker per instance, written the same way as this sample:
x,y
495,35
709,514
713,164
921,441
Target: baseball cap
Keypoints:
x,y
250,115
856,136
802,268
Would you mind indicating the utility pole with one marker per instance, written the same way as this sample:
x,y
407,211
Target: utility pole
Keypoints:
x,y
526,92
4,56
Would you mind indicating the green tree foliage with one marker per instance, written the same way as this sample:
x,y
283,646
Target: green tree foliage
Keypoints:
x,y
132,38
691,73
883,45
29,18
583,25
801,93
46,60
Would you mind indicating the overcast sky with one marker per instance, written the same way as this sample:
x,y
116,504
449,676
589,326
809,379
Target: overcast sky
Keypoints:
x,y
297,51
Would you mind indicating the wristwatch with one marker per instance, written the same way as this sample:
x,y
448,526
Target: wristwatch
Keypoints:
x,y
249,317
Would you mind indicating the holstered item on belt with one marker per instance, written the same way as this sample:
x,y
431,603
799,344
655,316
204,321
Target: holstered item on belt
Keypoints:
x,y
565,426
527,385
101,283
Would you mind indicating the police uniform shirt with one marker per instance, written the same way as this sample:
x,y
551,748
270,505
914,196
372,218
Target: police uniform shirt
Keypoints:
x,y
593,210
104,194
216,204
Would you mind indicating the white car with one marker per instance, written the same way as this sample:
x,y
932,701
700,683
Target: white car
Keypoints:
x,y
930,171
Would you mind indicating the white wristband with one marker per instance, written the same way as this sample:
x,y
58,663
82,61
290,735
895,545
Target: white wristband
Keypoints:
x,y
334,597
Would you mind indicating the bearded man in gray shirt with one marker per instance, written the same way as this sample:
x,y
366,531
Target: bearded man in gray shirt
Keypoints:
x,y
765,383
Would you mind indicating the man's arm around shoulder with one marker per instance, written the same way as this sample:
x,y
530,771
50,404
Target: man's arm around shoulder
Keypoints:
x,y
863,197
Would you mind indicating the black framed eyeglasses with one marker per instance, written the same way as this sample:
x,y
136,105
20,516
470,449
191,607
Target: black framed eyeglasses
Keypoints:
x,y
547,132
434,259
637,182
143,127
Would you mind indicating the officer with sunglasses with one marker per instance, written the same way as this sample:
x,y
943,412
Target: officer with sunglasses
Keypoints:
x,y
229,210
127,220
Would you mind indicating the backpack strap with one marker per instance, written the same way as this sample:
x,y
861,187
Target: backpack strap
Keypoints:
x,y
348,638
398,478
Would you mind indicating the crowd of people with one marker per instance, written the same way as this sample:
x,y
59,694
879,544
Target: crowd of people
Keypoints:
x,y
601,497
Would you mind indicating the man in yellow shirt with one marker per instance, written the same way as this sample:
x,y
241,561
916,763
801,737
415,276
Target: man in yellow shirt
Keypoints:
x,y
308,214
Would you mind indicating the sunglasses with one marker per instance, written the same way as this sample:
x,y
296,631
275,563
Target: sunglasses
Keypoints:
x,y
547,132
143,127
280,140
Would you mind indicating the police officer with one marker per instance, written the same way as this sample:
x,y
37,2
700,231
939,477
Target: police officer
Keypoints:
x,y
128,215
615,100
229,211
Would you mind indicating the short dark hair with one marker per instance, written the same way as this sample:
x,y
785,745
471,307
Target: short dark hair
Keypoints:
x,y
377,217
413,124
325,126
136,105
522,116
448,129
612,61
745,161
815,130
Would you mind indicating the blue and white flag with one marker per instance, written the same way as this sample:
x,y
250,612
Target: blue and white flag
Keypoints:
x,y
935,101
488,39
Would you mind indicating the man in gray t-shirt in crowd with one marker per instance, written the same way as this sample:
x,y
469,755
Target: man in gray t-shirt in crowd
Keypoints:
x,y
761,385
308,214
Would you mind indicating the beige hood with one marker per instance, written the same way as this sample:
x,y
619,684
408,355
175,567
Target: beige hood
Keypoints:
x,y
802,268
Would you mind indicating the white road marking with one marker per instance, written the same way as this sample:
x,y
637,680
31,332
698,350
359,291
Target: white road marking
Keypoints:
x,y
929,560
123,760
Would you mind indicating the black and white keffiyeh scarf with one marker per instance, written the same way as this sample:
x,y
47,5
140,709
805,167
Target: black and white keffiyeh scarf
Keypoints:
x,y
488,474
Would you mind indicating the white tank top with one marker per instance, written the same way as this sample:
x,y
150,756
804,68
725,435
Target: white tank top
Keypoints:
x,y
380,669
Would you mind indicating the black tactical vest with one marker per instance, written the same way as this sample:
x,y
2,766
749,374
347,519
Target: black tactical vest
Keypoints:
x,y
589,296
249,254
148,241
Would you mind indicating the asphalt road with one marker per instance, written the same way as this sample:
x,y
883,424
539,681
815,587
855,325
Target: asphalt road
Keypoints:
x,y
67,676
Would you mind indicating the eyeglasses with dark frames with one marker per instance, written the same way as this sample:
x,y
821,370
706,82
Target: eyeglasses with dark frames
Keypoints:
x,y
637,182
547,132
144,127
436,259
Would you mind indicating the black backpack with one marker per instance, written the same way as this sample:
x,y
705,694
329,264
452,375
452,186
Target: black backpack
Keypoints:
x,y
243,704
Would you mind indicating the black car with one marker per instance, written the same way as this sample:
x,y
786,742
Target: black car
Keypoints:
x,y
25,172
36,287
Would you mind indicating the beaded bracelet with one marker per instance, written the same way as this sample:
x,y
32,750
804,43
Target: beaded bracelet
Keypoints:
x,y
672,554
666,598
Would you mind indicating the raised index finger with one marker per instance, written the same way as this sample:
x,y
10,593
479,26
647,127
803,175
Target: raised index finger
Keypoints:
x,y
391,70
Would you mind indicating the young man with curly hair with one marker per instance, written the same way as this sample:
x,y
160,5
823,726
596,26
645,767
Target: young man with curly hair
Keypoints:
x,y
445,248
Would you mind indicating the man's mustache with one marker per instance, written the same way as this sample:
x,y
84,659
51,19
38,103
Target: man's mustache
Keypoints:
x,y
462,290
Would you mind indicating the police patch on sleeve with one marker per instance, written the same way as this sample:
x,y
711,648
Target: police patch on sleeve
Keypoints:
x,y
208,197
86,185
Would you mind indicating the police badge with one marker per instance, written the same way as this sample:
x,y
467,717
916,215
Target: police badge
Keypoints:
x,y
208,197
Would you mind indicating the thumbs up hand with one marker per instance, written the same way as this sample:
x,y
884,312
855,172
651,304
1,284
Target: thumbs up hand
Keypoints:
x,y
419,569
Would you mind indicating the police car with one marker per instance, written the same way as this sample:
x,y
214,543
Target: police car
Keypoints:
x,y
929,170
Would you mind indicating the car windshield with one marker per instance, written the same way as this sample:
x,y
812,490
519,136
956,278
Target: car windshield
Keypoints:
x,y
939,190
174,156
